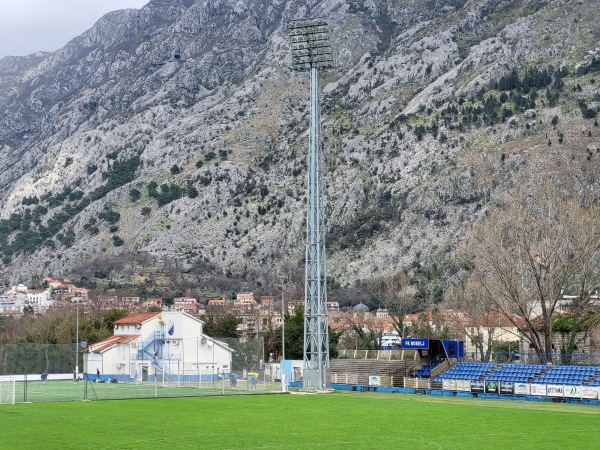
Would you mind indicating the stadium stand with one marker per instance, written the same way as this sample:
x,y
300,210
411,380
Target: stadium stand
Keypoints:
x,y
362,369
425,371
569,375
467,371
595,382
524,373
516,373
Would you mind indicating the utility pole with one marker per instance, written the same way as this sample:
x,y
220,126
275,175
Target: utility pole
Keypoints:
x,y
77,344
283,374
282,278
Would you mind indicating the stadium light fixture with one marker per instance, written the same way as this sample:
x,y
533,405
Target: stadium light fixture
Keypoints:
x,y
310,44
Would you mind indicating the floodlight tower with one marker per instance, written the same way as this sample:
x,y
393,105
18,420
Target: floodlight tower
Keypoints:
x,y
311,51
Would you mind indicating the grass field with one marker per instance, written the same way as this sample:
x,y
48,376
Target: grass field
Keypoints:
x,y
329,421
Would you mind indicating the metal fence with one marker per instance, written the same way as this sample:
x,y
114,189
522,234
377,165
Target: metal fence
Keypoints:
x,y
557,359
26,362
33,359
386,354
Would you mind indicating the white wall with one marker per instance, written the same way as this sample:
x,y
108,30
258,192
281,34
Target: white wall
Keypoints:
x,y
92,362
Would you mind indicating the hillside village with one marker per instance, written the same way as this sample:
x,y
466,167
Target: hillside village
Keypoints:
x,y
359,329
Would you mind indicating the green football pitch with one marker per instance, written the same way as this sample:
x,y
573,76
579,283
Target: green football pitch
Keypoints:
x,y
329,421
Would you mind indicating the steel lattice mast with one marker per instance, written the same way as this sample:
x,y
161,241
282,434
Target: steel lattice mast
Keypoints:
x,y
311,51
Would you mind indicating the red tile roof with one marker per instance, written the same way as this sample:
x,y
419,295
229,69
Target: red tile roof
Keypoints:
x,y
135,319
102,346
500,319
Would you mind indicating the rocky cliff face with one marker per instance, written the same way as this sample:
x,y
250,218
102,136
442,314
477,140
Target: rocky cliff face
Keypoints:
x,y
179,131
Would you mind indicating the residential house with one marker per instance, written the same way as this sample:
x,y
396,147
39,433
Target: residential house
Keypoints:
x,y
292,305
257,320
185,304
63,290
481,333
266,300
216,302
51,282
20,288
153,303
333,306
130,301
244,299
80,292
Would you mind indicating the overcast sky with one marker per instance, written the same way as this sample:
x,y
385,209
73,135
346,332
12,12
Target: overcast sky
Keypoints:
x,y
28,26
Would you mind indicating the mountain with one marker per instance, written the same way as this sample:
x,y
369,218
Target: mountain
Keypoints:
x,y
174,137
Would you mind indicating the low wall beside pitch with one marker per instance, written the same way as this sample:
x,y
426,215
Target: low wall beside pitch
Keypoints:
x,y
38,377
445,393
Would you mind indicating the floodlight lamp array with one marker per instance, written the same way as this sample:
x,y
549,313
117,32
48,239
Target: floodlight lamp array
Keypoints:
x,y
310,44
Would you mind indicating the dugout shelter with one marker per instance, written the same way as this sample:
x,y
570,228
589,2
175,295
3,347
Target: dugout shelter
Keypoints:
x,y
435,348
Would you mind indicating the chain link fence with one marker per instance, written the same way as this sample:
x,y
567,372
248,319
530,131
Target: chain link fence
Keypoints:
x,y
28,359
246,373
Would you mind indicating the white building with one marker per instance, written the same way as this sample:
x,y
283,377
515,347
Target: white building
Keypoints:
x,y
12,301
39,299
391,341
169,345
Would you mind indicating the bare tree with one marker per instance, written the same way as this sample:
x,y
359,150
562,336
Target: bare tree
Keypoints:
x,y
468,304
396,294
527,253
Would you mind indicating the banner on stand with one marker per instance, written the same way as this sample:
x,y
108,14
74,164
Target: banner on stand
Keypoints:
x,y
538,389
555,390
522,389
589,392
507,388
573,391
477,386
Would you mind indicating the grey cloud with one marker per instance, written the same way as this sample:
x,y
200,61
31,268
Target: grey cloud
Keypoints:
x,y
28,26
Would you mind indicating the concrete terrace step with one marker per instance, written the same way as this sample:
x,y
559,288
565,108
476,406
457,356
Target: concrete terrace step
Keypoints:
x,y
370,367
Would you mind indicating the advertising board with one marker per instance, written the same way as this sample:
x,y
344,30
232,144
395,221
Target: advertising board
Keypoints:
x,y
522,389
374,380
555,390
538,389
477,386
491,387
589,392
573,391
463,385
449,385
